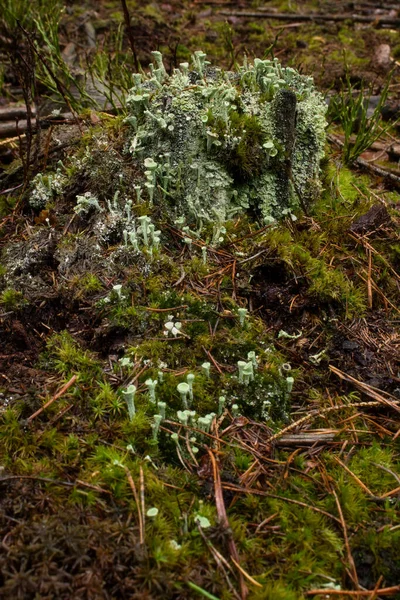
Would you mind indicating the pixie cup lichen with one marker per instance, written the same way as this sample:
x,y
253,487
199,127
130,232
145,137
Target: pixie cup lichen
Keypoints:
x,y
248,139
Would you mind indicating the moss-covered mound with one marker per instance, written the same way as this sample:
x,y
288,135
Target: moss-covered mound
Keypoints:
x,y
216,143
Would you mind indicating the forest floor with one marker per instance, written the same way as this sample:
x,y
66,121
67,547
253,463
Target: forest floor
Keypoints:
x,y
298,500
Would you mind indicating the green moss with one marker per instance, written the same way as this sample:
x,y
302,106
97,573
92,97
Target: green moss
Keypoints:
x,y
87,285
11,299
68,358
248,159
7,203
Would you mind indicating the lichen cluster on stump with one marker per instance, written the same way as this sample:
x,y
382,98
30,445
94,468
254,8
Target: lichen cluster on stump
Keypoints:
x,y
219,143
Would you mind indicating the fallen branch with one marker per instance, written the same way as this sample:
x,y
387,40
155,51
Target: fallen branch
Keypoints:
x,y
312,17
307,438
319,413
12,112
394,179
12,127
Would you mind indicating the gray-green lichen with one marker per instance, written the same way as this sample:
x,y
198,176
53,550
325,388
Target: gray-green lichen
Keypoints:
x,y
215,143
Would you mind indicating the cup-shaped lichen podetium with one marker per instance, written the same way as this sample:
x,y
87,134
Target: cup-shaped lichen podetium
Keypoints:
x,y
129,395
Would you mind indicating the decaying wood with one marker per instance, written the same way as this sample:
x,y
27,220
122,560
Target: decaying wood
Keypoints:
x,y
13,111
394,179
374,19
307,438
16,127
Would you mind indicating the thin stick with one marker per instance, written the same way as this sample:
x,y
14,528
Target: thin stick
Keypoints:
x,y
223,518
369,390
346,541
214,362
53,399
376,588
236,488
142,498
162,310
136,496
369,285
360,483
382,592
319,413
249,577
220,560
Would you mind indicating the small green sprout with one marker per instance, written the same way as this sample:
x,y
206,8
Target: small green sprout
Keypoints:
x,y
173,328
204,423
184,68
175,439
150,190
270,149
169,325
176,329
315,359
221,405
204,254
138,191
144,227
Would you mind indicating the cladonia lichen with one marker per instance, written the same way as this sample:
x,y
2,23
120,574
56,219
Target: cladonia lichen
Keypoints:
x,y
214,143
